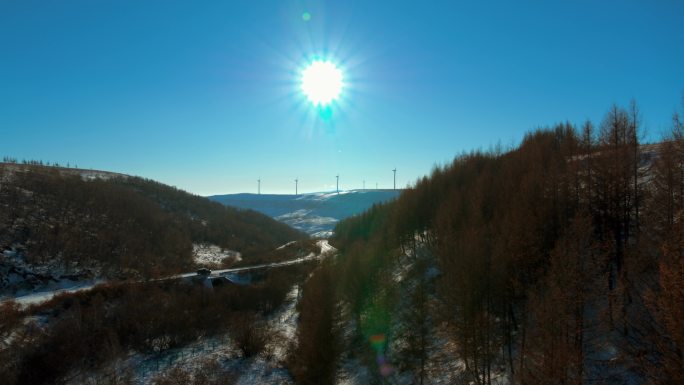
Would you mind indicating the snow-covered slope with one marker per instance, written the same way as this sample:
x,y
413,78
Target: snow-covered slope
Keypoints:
x,y
315,213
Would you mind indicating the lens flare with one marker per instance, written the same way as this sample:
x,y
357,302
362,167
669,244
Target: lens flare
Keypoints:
x,y
322,82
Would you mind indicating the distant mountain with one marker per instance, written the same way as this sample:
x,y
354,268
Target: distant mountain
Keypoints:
x,y
315,213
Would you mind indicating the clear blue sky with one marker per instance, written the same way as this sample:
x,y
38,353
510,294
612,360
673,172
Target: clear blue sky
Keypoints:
x,y
204,95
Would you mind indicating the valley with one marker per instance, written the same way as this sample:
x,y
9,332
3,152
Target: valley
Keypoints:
x,y
523,222
449,281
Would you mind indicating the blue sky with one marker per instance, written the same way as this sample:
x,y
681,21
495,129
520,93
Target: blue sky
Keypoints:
x,y
204,95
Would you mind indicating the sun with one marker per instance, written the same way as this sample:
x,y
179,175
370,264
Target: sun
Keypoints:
x,y
322,82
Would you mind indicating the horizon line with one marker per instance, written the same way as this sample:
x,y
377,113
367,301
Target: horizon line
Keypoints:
x,y
311,193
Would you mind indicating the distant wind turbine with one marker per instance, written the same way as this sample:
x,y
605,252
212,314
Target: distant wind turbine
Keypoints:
x,y
259,186
395,178
296,186
337,184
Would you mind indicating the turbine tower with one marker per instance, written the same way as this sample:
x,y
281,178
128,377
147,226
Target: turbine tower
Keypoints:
x,y
395,178
259,186
296,186
364,185
337,183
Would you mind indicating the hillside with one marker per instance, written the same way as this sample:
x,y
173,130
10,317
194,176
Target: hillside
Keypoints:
x,y
557,262
315,213
89,224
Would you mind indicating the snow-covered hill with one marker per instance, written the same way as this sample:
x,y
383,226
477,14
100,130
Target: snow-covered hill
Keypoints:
x,y
315,213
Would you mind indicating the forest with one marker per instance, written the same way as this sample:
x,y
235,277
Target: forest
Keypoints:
x,y
560,261
133,233
123,226
90,337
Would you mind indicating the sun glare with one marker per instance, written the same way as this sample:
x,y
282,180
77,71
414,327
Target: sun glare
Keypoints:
x,y
321,82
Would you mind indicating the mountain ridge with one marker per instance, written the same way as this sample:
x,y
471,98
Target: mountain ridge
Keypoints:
x,y
314,213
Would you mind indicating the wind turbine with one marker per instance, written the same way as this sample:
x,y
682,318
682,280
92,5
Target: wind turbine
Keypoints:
x,y
395,178
296,186
364,185
337,184
259,186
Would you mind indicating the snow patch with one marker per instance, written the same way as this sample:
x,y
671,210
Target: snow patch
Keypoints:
x,y
37,297
305,220
326,248
211,254
286,245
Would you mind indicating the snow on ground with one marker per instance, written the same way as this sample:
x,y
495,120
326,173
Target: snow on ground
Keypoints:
x,y
304,220
263,371
314,213
211,254
328,195
29,284
14,259
443,365
326,248
68,286
353,372
284,324
267,368
323,234
286,245
262,266
65,285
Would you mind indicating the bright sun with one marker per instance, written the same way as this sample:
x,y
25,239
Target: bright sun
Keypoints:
x,y
321,82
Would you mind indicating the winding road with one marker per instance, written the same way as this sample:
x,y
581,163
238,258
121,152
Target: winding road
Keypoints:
x,y
39,297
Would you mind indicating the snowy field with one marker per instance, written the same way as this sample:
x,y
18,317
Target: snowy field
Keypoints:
x,y
314,213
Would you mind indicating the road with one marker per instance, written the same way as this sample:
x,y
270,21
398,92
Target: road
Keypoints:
x,y
43,296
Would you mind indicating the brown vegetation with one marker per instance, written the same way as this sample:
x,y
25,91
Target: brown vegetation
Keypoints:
x,y
84,331
314,357
550,254
123,225
208,373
